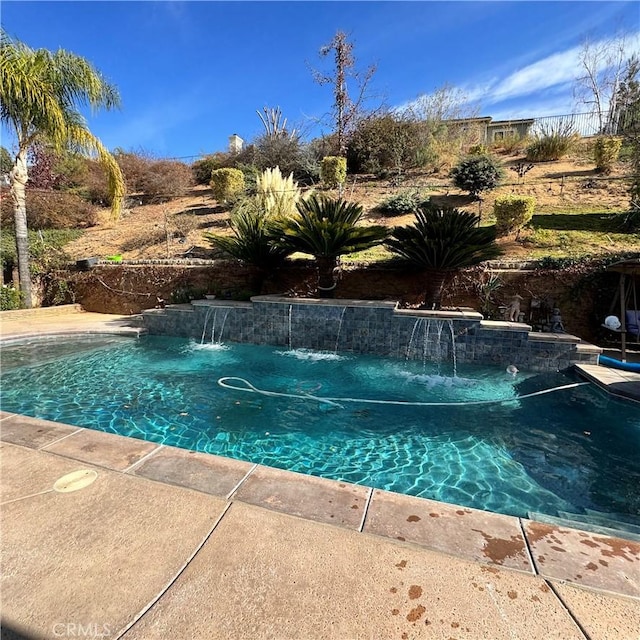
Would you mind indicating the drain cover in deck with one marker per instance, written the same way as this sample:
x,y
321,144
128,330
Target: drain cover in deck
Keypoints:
x,y
75,481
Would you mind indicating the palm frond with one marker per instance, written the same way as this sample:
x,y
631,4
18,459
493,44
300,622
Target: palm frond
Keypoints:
x,y
251,241
40,93
445,238
327,227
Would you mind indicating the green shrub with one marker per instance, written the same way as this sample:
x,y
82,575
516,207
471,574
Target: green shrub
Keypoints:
x,y
202,168
333,171
512,213
552,142
226,184
282,151
401,203
606,151
478,150
10,298
476,174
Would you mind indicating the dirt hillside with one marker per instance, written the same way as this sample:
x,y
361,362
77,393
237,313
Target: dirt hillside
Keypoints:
x,y
570,187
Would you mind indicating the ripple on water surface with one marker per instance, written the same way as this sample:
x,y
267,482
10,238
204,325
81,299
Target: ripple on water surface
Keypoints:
x,y
566,452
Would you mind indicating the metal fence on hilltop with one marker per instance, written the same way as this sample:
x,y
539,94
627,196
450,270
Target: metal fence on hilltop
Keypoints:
x,y
589,124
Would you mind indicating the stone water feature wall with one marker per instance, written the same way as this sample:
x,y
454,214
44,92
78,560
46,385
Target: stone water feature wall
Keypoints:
x,y
373,327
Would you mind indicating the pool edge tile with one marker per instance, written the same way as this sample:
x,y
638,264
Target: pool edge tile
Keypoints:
x,y
482,536
310,497
199,471
33,433
585,559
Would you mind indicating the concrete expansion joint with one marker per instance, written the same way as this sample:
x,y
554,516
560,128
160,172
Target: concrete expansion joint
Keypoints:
x,y
144,458
68,435
532,562
567,610
365,510
175,577
230,494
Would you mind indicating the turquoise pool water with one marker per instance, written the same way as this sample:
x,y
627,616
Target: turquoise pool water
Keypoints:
x,y
570,452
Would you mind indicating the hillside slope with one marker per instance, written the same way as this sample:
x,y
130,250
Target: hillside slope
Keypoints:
x,y
575,214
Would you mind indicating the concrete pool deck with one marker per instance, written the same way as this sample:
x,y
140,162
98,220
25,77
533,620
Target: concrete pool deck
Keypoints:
x,y
167,543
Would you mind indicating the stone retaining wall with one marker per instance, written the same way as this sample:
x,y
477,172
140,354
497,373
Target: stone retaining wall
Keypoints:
x,y
373,327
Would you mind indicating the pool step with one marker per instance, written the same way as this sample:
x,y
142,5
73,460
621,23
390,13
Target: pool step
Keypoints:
x,y
603,524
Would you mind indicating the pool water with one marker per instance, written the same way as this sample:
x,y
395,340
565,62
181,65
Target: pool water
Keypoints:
x,y
575,451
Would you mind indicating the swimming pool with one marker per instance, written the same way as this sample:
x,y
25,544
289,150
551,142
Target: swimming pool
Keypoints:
x,y
574,451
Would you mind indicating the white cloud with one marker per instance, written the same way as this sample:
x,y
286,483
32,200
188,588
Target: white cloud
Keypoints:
x,y
539,88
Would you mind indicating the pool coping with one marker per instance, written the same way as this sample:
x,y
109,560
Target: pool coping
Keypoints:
x,y
489,538
518,544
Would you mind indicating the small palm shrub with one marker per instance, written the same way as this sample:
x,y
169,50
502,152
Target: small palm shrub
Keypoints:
x,y
606,151
250,241
333,171
442,240
477,174
401,204
512,213
226,183
326,228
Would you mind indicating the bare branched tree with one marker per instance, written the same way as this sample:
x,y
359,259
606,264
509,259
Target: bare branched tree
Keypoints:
x,y
348,108
601,65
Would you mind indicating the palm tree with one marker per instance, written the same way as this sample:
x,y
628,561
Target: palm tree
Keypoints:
x,y
443,240
40,95
251,242
326,228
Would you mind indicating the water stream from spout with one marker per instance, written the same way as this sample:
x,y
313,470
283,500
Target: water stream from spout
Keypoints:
x,y
339,329
207,315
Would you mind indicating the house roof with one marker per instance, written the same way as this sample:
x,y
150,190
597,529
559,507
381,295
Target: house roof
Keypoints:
x,y
512,122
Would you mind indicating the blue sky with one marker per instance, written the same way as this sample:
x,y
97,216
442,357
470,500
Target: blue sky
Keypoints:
x,y
192,73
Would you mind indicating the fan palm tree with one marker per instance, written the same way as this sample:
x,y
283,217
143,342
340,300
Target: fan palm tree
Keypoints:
x,y
326,228
40,96
440,241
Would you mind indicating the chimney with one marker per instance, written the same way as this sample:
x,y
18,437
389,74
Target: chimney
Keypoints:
x,y
235,143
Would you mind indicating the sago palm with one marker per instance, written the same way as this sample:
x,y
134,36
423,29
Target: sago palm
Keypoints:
x,y
442,240
40,95
250,241
327,228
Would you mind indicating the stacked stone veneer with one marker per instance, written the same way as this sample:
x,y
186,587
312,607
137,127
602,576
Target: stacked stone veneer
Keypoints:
x,y
374,327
